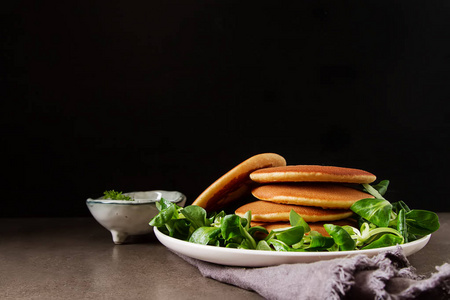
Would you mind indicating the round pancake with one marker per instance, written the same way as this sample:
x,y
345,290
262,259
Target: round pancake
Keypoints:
x,y
315,226
325,195
312,173
236,182
265,211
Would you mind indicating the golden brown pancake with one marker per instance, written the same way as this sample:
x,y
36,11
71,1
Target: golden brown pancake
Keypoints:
x,y
265,211
315,226
236,182
312,173
326,195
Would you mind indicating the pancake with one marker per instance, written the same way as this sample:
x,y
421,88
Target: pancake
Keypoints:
x,y
312,173
325,195
265,211
315,226
236,182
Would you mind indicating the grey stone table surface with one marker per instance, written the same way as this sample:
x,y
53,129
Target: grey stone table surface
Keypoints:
x,y
75,258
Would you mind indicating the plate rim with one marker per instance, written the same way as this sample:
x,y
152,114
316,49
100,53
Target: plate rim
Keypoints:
x,y
424,240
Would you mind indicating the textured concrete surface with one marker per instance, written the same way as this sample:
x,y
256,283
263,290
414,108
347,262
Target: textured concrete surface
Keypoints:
x,y
75,258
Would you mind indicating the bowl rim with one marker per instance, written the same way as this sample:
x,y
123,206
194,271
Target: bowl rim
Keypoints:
x,y
179,199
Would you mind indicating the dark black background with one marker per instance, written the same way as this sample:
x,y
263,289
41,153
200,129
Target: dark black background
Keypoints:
x,y
146,95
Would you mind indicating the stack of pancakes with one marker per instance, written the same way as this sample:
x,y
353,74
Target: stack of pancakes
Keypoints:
x,y
319,194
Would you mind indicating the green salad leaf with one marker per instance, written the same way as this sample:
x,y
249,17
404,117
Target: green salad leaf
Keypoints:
x,y
341,237
421,222
402,227
380,187
205,235
291,236
376,211
296,220
167,211
385,240
196,216
263,245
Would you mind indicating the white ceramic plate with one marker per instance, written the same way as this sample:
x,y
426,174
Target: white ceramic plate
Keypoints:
x,y
259,258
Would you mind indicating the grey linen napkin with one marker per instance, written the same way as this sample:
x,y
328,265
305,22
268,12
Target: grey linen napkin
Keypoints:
x,y
385,276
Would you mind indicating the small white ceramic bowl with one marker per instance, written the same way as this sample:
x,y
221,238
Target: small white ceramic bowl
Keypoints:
x,y
124,218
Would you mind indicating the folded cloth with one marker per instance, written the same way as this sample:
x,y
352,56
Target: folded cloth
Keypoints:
x,y
385,276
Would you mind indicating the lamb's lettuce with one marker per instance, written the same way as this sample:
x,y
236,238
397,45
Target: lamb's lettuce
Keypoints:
x,y
341,237
196,216
421,222
376,211
380,187
291,236
205,236
385,240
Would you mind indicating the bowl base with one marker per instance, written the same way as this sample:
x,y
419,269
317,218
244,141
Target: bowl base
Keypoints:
x,y
118,237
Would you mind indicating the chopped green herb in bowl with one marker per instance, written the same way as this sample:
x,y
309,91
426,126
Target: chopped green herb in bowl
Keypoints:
x,y
113,195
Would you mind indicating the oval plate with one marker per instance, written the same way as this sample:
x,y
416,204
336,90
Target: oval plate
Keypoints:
x,y
259,258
